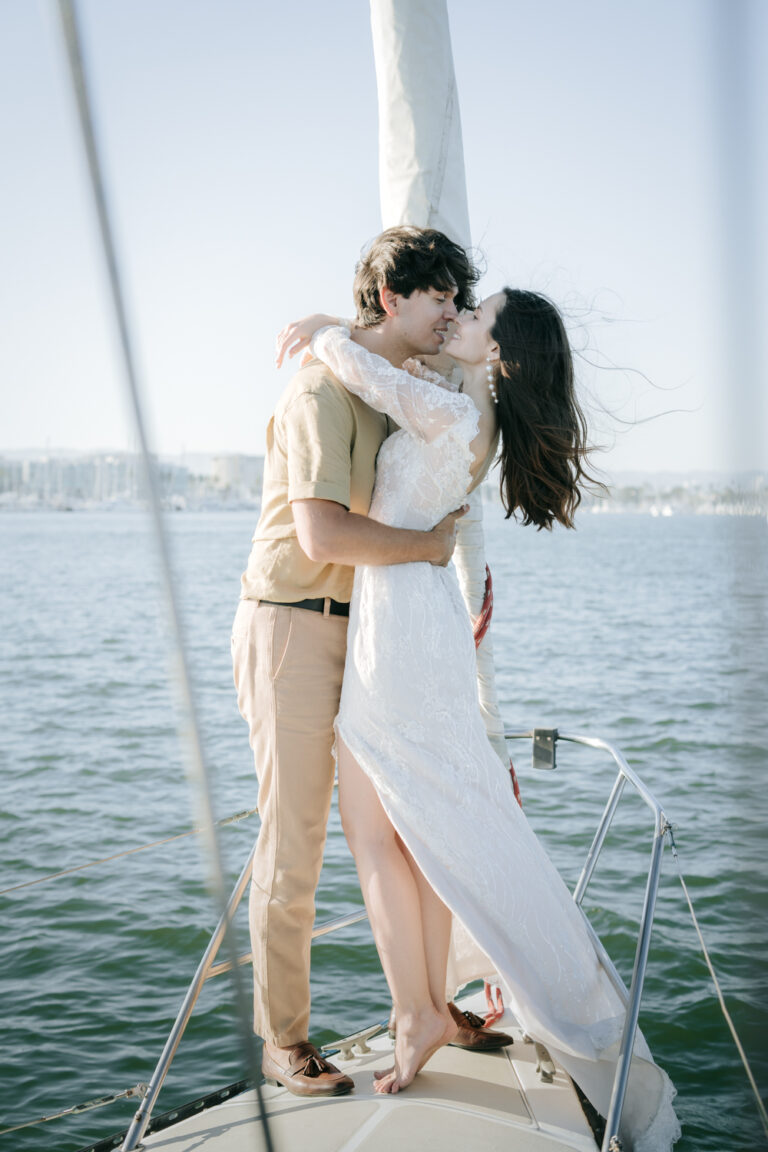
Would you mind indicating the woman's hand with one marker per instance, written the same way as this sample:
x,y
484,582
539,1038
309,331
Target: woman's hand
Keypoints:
x,y
298,334
422,371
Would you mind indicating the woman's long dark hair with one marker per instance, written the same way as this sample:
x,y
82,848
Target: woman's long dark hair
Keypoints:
x,y
544,443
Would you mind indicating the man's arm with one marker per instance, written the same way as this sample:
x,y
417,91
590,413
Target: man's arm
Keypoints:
x,y
329,534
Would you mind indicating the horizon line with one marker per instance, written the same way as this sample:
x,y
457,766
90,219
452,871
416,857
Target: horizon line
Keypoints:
x,y
60,451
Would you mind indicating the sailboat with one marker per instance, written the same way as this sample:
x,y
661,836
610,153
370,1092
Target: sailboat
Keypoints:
x,y
518,1098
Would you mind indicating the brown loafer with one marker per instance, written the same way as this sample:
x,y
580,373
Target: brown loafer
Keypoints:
x,y
473,1034
308,1073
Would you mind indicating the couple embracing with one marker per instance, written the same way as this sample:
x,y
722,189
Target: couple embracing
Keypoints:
x,y
352,630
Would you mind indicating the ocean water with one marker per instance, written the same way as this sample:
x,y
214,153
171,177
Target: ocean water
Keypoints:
x,y
652,633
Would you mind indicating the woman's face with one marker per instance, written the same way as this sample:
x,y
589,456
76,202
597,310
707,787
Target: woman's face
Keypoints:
x,y
471,341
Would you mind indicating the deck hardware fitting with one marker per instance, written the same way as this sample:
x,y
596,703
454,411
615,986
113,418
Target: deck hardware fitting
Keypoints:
x,y
544,1064
346,1046
543,748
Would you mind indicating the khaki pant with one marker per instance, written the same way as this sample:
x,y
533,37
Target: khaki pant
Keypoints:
x,y
288,667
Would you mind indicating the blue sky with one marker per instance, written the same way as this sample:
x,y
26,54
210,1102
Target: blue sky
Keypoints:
x,y
241,150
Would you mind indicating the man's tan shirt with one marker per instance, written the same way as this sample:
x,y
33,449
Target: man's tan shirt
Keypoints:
x,y
322,444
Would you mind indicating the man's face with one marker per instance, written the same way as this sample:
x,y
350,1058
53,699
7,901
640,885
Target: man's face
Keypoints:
x,y
422,320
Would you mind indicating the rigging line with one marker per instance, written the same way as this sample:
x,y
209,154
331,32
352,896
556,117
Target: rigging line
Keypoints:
x,y
760,1106
197,770
128,852
76,1109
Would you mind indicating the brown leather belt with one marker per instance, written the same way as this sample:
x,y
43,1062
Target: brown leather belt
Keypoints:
x,y
336,607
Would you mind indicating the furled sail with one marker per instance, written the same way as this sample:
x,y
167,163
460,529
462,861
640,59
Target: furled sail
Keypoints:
x,y
422,182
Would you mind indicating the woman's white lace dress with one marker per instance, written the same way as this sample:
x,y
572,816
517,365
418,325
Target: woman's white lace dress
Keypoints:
x,y
409,715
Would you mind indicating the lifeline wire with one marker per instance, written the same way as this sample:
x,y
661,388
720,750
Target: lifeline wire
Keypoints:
x,y
729,1022
128,852
196,765
76,1109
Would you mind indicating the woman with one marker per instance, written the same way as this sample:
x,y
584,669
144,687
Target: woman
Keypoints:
x,y
440,844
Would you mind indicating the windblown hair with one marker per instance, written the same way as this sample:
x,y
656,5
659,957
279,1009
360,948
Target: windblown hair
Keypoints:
x,y
544,444
407,259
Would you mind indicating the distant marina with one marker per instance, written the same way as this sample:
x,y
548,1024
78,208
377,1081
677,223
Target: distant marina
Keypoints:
x,y
110,481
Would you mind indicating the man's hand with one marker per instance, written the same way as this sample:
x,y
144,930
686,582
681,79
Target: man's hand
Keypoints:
x,y
444,535
329,534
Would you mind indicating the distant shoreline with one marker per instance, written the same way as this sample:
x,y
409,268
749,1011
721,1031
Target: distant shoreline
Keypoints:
x,y
702,504
112,482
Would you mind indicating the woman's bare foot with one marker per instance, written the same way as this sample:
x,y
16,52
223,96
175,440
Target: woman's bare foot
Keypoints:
x,y
419,1035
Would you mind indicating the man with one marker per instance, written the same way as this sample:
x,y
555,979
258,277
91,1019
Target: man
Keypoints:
x,y
289,635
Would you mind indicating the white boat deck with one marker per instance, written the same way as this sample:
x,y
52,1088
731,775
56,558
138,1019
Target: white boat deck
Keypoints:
x,y
483,1102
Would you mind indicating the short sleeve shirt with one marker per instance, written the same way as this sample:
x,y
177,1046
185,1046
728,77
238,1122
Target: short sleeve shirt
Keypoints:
x,y
322,444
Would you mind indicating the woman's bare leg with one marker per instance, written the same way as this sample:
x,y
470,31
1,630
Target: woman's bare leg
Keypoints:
x,y
393,898
436,928
436,931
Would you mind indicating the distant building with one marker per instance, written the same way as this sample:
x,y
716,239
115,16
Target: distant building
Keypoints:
x,y
239,477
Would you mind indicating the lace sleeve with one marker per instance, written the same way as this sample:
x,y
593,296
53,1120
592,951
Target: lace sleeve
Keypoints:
x,y
421,407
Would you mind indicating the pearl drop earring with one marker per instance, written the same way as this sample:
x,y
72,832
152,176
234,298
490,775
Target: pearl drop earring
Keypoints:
x,y
491,381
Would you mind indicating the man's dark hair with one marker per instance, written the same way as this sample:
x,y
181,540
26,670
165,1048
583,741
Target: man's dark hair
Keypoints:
x,y
407,259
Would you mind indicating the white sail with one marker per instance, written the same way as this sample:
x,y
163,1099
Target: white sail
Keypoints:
x,y
422,182
421,158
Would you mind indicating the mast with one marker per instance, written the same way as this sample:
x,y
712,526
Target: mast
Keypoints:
x,y
422,182
421,154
